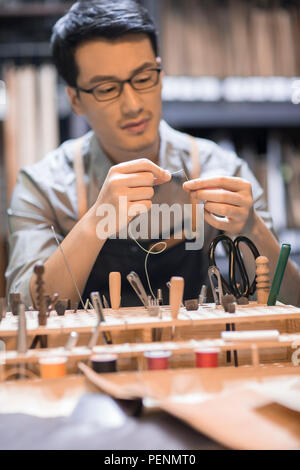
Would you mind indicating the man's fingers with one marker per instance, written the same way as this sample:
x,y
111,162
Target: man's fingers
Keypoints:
x,y
143,165
138,194
230,183
137,180
218,195
135,208
225,210
215,221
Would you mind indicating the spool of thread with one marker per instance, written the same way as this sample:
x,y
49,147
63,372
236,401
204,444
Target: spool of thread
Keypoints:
x,y
157,360
206,358
103,363
52,367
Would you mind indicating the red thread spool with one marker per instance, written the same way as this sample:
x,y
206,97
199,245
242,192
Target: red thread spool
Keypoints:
x,y
102,363
207,357
157,360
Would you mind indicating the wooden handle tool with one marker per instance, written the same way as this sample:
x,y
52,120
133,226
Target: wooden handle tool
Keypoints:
x,y
262,279
176,295
115,289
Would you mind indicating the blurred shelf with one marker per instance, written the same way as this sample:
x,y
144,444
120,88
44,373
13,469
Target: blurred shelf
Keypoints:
x,y
232,101
223,114
25,50
34,9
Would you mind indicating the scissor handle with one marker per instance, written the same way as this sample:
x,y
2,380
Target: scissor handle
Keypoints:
x,y
229,289
235,259
242,239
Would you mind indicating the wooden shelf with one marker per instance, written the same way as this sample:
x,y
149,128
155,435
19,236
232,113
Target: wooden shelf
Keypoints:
x,y
201,114
34,9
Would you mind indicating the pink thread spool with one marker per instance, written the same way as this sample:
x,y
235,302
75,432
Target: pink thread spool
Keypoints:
x,y
157,360
207,357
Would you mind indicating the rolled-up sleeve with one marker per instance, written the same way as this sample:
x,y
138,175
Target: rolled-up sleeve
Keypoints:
x,y
31,239
259,200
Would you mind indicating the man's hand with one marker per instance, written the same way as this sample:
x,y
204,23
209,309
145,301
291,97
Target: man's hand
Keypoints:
x,y
225,196
134,180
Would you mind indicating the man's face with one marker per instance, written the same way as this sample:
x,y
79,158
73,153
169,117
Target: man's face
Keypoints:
x,y
127,126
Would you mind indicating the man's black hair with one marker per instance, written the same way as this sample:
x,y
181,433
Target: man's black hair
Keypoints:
x,y
95,19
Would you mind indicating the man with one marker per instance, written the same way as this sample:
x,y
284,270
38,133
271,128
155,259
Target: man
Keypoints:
x,y
107,53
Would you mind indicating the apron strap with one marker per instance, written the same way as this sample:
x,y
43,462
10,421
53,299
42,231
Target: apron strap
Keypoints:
x,y
82,198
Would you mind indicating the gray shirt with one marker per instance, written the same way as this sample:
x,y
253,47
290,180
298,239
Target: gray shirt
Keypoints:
x,y
45,195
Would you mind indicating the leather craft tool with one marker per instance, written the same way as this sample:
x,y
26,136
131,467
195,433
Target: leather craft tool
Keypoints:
x,y
22,332
202,296
176,296
14,301
115,289
216,291
244,288
262,279
96,301
72,341
138,287
105,302
279,273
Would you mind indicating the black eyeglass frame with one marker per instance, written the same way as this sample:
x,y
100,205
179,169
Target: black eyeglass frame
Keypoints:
x,y
122,83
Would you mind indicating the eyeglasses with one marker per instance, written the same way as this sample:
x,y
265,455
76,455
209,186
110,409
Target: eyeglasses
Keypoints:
x,y
110,90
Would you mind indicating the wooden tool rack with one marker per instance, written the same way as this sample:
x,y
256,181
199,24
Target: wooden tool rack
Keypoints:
x,y
132,328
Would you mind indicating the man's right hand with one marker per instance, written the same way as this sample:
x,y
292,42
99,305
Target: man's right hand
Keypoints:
x,y
133,180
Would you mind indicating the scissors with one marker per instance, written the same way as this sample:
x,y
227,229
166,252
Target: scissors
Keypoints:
x,y
242,289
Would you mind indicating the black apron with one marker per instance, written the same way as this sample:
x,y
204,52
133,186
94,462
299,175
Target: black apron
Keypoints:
x,y
125,256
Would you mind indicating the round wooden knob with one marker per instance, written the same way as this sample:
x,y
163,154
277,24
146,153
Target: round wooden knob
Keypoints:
x,y
262,279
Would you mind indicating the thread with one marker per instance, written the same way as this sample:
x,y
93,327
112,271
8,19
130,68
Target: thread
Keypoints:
x,y
206,358
68,266
149,252
157,360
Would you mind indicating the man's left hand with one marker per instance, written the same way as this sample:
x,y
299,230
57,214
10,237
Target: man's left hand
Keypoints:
x,y
225,196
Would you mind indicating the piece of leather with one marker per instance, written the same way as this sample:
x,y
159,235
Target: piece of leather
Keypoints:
x,y
98,422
